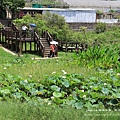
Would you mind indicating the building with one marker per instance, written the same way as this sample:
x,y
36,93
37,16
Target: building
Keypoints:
x,y
94,4
77,15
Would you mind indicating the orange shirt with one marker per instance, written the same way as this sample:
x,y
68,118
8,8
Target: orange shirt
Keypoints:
x,y
52,47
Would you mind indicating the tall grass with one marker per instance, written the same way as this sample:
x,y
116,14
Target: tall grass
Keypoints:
x,y
26,111
25,65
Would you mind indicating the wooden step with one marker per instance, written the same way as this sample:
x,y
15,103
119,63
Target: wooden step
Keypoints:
x,y
8,29
46,45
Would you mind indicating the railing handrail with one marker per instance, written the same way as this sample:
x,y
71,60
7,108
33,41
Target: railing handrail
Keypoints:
x,y
14,27
38,38
41,44
49,39
49,36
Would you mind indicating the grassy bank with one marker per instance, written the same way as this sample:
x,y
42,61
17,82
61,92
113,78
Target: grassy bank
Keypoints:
x,y
26,65
25,111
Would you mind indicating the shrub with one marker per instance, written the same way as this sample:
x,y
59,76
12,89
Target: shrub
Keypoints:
x,y
100,27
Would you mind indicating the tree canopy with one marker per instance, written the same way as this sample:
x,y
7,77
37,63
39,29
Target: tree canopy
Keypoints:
x,y
12,5
53,23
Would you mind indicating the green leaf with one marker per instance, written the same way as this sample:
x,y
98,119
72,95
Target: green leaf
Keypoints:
x,y
117,84
118,95
33,91
58,100
105,90
88,105
5,91
95,106
66,83
57,94
55,88
74,95
17,95
71,102
92,100
78,105
96,88
95,95
23,82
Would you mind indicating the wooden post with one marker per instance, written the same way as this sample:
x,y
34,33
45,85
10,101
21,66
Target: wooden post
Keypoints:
x,y
30,47
57,51
25,46
66,47
0,34
20,41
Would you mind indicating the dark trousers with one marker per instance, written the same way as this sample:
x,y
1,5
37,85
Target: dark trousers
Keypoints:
x,y
24,33
52,54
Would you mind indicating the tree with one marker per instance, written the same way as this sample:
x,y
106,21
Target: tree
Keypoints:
x,y
2,11
12,5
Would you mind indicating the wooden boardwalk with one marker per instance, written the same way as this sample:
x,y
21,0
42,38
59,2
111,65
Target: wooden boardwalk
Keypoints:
x,y
12,38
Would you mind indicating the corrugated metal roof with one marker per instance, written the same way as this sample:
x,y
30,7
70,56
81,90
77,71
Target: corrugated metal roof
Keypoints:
x,y
56,9
93,3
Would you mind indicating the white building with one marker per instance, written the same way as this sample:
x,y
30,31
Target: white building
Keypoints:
x,y
77,15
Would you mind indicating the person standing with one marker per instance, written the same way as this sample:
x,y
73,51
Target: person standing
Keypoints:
x,y
52,52
24,30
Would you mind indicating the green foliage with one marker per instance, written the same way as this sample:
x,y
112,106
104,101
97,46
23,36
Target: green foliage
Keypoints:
x,y
12,5
57,26
41,24
46,2
91,92
105,57
100,27
59,30
52,3
111,11
52,23
1,25
69,89
100,12
54,20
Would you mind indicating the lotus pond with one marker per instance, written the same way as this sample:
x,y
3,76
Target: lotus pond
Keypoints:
x,y
100,89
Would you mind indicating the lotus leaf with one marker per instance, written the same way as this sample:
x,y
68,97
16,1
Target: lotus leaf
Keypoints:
x,y
71,102
55,88
66,83
79,105
88,105
5,91
33,91
17,95
57,94
105,90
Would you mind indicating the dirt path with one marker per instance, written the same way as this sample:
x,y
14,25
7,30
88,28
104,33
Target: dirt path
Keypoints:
x,y
34,58
7,50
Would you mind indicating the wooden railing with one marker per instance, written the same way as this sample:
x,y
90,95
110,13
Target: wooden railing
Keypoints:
x,y
40,45
49,39
72,46
13,35
1,33
14,27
